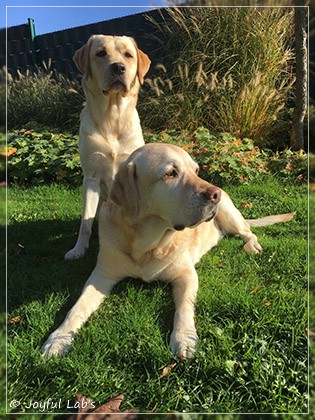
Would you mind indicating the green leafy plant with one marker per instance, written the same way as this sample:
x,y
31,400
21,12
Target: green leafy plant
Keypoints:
x,y
224,158
37,158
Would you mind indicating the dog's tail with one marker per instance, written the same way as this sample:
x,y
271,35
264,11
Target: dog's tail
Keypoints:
x,y
271,220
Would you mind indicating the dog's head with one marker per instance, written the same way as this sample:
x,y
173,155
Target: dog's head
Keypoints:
x,y
162,180
112,63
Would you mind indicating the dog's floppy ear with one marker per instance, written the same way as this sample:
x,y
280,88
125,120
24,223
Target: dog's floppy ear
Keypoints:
x,y
125,188
143,63
82,58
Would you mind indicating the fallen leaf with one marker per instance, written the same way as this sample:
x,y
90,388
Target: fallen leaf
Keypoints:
x,y
85,403
167,370
267,303
247,205
257,288
15,320
112,406
8,152
187,147
312,186
219,265
87,409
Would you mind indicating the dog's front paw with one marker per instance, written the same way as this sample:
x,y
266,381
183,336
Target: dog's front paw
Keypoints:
x,y
252,246
58,344
75,253
183,342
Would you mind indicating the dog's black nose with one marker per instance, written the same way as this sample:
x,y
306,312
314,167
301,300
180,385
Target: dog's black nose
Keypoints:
x,y
118,68
213,194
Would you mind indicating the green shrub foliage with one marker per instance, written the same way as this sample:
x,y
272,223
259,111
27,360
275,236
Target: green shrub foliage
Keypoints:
x,y
38,158
44,157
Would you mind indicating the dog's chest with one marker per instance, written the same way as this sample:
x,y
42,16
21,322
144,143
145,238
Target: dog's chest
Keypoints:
x,y
101,156
154,269
114,135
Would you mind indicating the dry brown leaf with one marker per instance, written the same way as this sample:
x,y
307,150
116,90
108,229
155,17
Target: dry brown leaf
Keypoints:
x,y
87,409
312,186
186,147
15,320
257,288
112,405
85,403
246,205
167,370
220,265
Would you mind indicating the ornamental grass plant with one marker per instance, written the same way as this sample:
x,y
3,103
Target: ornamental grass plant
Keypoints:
x,y
228,69
45,97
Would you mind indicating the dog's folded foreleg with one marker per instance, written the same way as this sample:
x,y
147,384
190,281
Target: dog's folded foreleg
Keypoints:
x,y
90,197
95,290
184,336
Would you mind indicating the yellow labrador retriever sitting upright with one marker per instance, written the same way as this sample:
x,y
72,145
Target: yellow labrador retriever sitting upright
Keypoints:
x,y
113,69
158,222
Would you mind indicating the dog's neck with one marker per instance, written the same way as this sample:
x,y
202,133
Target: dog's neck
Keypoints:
x,y
144,238
111,110
153,238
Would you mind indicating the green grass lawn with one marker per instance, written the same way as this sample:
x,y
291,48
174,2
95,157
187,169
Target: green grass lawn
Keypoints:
x,y
251,315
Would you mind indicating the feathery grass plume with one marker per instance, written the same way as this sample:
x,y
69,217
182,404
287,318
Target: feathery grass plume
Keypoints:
x,y
230,68
52,99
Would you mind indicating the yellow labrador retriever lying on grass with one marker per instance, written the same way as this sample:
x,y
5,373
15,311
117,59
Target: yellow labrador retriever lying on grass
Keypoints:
x,y
158,222
113,69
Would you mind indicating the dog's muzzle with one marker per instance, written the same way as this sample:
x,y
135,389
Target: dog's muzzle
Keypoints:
x,y
117,82
211,197
117,69
212,194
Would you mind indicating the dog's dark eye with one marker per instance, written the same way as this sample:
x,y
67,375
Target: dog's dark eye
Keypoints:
x,y
128,55
101,53
171,174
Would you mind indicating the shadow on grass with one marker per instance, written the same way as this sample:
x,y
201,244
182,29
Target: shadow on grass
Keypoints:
x,y
37,269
